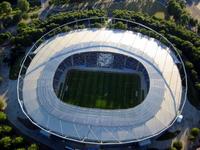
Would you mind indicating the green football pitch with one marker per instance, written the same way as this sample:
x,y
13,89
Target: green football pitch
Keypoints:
x,y
105,90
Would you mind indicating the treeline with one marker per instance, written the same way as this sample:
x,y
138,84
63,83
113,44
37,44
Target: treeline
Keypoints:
x,y
27,34
177,9
186,41
9,139
10,15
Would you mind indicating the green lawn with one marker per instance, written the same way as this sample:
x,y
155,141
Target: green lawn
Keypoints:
x,y
101,89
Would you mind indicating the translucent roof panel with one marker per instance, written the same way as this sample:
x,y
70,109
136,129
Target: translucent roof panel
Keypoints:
x,y
153,115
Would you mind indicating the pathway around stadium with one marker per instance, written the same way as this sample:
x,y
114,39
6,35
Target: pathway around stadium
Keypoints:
x,y
13,110
109,5
191,119
15,114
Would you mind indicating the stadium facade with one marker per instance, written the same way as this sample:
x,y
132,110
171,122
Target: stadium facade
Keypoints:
x,y
161,66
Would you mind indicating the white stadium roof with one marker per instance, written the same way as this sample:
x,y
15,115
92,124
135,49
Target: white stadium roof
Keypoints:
x,y
151,117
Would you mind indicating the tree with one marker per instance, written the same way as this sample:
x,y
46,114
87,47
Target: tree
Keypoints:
x,y
120,25
174,9
197,86
6,142
194,75
172,148
23,5
4,37
25,16
33,147
178,145
177,9
5,7
193,22
5,129
184,19
189,65
17,140
195,132
3,116
187,46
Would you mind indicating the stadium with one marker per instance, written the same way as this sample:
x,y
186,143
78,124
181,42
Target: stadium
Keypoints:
x,y
102,86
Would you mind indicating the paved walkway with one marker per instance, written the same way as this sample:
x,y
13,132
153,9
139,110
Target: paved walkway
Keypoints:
x,y
190,113
151,6
191,119
15,114
194,9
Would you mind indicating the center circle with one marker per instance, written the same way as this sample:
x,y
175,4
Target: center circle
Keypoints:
x,y
101,80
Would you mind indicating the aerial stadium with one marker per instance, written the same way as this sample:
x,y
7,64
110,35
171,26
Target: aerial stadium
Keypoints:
x,y
102,86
